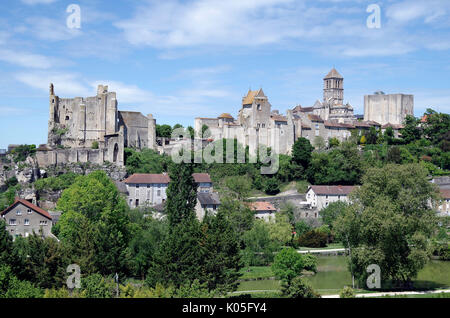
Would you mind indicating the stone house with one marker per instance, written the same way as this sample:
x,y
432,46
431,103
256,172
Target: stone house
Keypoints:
x,y
206,201
320,196
23,218
148,190
263,210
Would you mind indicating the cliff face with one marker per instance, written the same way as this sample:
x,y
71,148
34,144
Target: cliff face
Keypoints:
x,y
27,172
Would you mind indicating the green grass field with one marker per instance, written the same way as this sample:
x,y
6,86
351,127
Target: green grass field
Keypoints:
x,y
333,275
330,246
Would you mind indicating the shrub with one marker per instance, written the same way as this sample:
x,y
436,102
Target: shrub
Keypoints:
x,y
95,145
347,292
300,288
313,239
272,186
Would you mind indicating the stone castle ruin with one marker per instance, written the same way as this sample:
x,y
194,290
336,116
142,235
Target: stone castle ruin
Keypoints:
x,y
92,129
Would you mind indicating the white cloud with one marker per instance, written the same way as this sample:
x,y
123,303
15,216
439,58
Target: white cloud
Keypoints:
x,y
50,29
33,2
66,84
126,93
407,11
12,111
24,59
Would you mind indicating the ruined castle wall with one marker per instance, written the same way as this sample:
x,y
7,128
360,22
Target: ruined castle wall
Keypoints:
x,y
392,108
81,121
136,129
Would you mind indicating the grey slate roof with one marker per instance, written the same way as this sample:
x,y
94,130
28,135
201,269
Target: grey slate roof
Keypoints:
x,y
208,198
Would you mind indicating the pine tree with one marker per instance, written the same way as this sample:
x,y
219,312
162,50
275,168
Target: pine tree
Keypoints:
x,y
181,194
180,257
222,259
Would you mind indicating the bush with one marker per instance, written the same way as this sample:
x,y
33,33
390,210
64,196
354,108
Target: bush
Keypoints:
x,y
95,145
300,288
313,239
272,186
347,292
22,152
95,286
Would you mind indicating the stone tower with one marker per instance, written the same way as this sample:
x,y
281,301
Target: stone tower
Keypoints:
x,y
333,88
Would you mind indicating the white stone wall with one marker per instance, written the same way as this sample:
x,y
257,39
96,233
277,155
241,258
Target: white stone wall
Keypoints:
x,y
392,108
322,201
147,194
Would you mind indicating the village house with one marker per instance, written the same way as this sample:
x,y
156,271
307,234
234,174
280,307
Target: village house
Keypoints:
x,y
320,196
206,202
24,218
263,210
147,190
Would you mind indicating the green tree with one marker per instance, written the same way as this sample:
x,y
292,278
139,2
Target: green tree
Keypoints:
x,y
333,142
289,264
272,186
95,286
390,222
280,230
411,131
45,262
331,212
300,288
301,152
259,248
222,255
319,143
163,131
181,194
239,186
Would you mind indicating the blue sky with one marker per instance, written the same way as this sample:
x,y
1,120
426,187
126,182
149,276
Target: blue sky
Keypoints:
x,y
182,59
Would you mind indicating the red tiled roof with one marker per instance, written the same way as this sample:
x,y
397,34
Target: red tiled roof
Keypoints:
x,y
331,190
315,118
278,118
142,178
28,205
262,206
445,193
337,125
226,115
202,177
303,109
147,178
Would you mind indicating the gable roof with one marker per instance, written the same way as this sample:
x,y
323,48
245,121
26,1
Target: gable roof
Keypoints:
x,y
248,100
208,198
445,193
333,74
331,190
262,206
316,118
202,177
28,205
226,115
148,178
278,118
